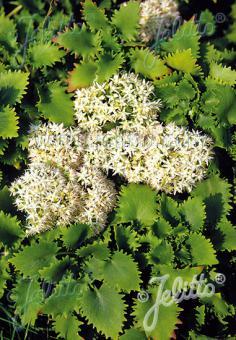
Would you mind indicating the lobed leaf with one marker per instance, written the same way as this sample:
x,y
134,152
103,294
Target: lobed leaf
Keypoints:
x,y
183,61
10,231
126,20
94,16
34,257
82,76
121,272
28,298
136,202
167,318
202,250
42,55
55,104
222,74
186,38
145,62
12,87
80,42
64,299
194,212
8,123
103,304
67,327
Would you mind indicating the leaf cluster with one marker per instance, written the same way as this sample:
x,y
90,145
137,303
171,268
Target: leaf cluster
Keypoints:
x,y
78,285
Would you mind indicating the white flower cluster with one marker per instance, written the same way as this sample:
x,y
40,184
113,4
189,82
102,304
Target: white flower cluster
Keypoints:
x,y
47,196
155,17
168,158
117,130
99,198
126,137
58,189
57,145
125,99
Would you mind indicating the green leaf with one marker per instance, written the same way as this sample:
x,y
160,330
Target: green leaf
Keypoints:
x,y
219,133
126,20
7,33
64,298
161,228
104,309
183,61
75,235
171,78
94,16
3,146
100,251
167,318
108,66
106,4
215,192
12,87
150,241
93,267
136,202
225,236
177,94
185,88
220,100
28,298
178,98
42,55
126,238
202,250
80,42
200,315
196,336
55,104
145,62
51,235
67,327
14,157
6,201
23,141
175,115
231,35
4,275
169,209
193,211
8,123
56,270
33,6
121,272
2,67
221,308
82,76
161,254
186,38
211,54
207,21
169,94
187,275
10,230
222,74
232,149
110,42
34,257
133,334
